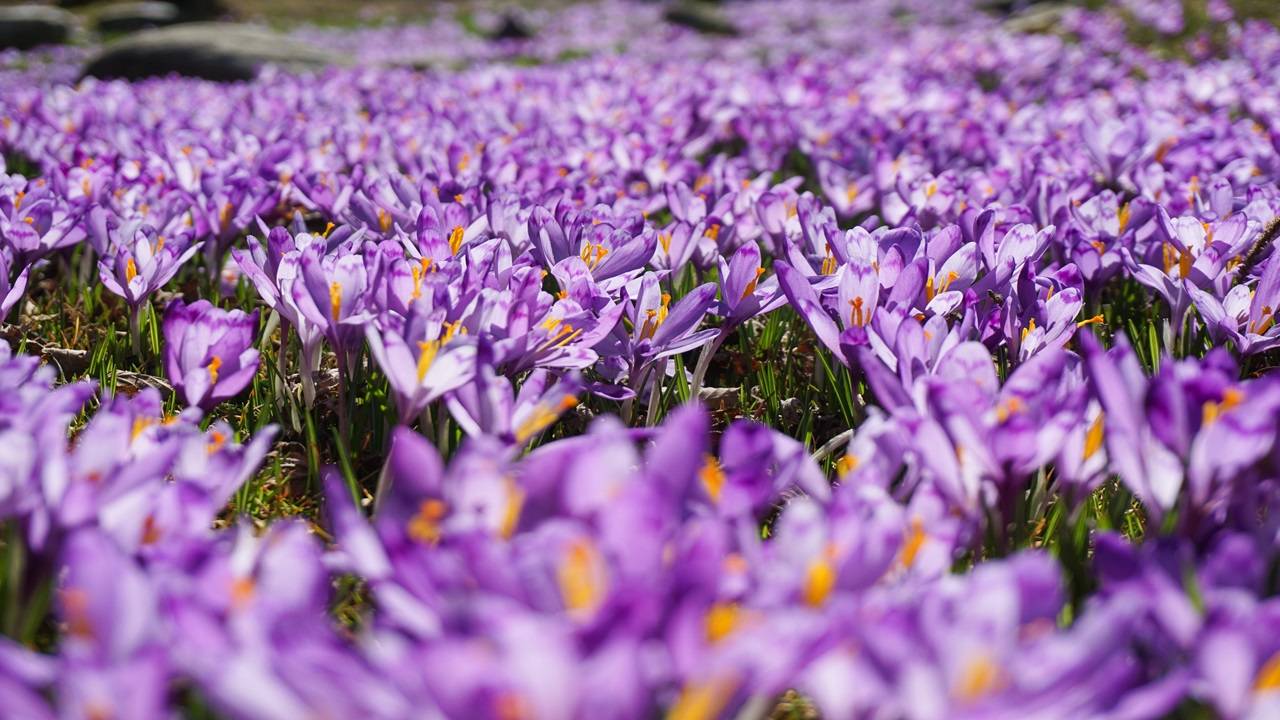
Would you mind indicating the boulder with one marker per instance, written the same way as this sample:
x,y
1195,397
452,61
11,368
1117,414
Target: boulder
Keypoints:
x,y
214,51
127,17
703,17
27,26
1041,18
188,10
196,10
511,28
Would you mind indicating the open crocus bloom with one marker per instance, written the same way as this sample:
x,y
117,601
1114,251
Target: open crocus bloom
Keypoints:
x,y
209,354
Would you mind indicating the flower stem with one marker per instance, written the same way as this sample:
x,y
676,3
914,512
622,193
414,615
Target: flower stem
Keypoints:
x,y
704,363
655,392
135,330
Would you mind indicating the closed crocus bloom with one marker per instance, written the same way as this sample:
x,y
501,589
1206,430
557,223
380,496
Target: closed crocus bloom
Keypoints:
x,y
209,355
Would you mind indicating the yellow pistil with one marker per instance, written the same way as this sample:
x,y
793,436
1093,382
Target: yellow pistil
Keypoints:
x,y
1123,217
1006,409
914,541
86,187
592,254
214,365
130,270
1184,263
216,441
242,589
655,318
419,271
751,285
702,700
857,317
847,464
328,228
820,579
139,425
425,525
558,338
542,416
335,300
427,351
829,263
931,189
224,215
455,239
1168,257
464,162
384,220
929,290
511,705
150,531
1210,411
1268,677
713,231
580,577
1264,322
952,276
458,198
511,511
712,478
664,242
1031,325
75,605
1093,438
851,192
1090,321
981,676
722,620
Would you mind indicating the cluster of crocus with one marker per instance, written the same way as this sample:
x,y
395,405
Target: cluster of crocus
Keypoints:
x,y
1034,278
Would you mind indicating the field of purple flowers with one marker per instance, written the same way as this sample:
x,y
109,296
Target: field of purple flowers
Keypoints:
x,y
879,361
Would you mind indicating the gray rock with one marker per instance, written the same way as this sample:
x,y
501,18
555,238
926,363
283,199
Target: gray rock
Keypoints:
x,y
196,10
127,17
27,26
188,10
214,51
511,28
703,17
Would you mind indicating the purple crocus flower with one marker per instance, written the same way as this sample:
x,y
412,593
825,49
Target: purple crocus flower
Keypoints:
x,y
330,292
140,264
423,360
742,297
11,287
209,354
1244,316
1151,470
